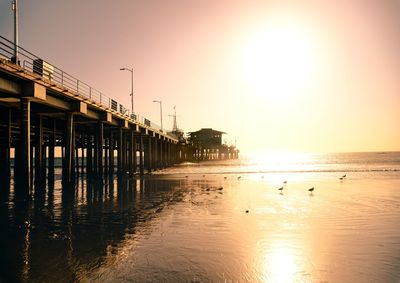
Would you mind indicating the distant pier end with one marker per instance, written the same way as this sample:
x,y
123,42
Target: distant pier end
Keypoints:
x,y
206,144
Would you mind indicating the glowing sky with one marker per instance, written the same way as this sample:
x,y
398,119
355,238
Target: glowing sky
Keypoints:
x,y
275,75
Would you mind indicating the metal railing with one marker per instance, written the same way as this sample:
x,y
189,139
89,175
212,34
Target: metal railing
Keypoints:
x,y
48,72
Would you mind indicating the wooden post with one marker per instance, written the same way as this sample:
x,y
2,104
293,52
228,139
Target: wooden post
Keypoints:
x,y
89,155
106,151
141,165
52,145
38,150
77,161
95,151
111,155
130,153
155,154
124,155
147,154
119,149
100,140
22,178
134,152
69,144
5,145
82,153
161,154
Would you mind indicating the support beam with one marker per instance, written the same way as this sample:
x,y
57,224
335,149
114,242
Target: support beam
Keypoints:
x,y
5,145
89,155
141,148
38,151
130,153
69,150
111,155
124,155
22,176
51,154
106,159
156,163
100,141
119,143
150,154
134,153
82,154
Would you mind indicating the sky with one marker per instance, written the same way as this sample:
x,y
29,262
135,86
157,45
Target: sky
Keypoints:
x,y
303,76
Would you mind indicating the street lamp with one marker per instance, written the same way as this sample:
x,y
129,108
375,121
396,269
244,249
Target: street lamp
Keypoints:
x,y
159,101
130,70
15,9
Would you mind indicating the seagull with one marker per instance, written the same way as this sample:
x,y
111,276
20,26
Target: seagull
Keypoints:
x,y
344,176
281,188
285,182
239,177
220,188
311,189
341,178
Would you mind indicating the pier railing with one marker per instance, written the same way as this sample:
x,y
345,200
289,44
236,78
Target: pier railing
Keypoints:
x,y
32,63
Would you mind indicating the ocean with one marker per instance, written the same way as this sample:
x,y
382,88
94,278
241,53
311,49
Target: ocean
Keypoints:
x,y
247,220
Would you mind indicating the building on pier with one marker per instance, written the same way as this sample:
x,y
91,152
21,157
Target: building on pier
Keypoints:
x,y
207,145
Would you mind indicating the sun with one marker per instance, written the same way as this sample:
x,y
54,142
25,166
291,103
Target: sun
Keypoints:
x,y
279,61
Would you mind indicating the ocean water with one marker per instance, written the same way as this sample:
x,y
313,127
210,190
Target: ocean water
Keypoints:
x,y
222,221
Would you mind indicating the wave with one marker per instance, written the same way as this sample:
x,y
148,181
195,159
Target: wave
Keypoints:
x,y
277,171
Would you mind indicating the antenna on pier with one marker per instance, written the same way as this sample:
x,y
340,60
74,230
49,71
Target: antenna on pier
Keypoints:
x,y
175,126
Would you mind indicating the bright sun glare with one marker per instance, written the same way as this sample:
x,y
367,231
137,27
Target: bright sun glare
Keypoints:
x,y
278,61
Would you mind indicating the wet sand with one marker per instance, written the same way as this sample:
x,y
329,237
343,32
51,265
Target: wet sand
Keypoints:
x,y
345,231
208,227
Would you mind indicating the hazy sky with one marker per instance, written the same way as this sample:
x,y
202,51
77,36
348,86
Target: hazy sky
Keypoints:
x,y
275,75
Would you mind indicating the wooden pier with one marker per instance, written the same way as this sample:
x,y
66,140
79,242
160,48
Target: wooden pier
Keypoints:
x,y
45,113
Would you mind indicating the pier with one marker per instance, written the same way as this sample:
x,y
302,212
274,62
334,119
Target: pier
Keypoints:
x,y
45,112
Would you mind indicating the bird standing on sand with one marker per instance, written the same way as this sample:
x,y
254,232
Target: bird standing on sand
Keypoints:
x,y
281,189
311,189
285,182
239,177
344,176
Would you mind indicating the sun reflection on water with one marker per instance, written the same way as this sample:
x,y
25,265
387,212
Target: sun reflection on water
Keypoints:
x,y
282,161
279,265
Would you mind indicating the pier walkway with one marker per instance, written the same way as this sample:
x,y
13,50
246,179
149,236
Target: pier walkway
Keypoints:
x,y
44,111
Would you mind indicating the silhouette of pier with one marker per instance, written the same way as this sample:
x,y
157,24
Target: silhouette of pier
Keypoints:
x,y
45,113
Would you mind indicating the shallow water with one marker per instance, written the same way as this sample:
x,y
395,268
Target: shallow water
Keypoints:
x,y
201,223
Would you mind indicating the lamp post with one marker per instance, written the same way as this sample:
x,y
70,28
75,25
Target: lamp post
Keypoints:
x,y
159,101
15,9
130,70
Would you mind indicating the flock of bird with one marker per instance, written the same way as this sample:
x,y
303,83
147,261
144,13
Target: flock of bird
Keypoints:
x,y
285,182
311,190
